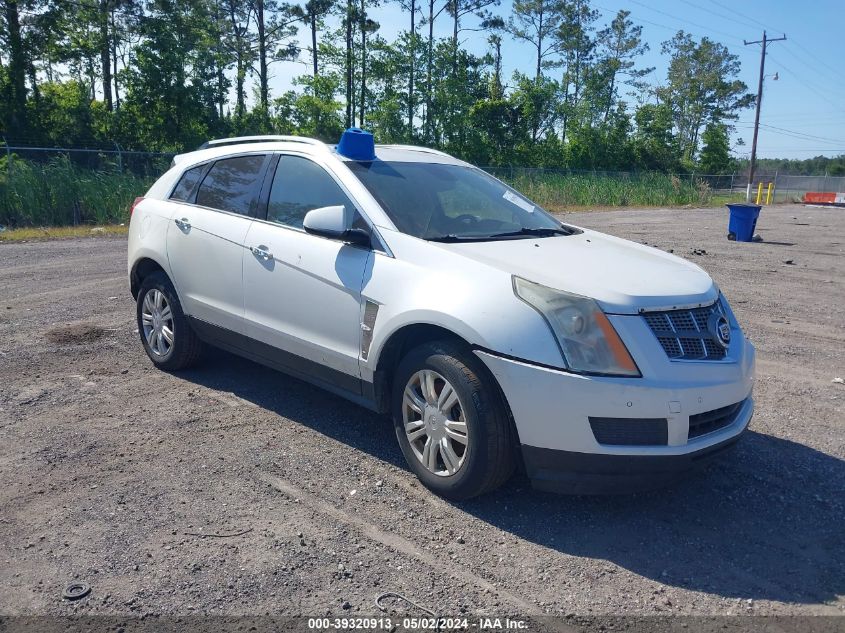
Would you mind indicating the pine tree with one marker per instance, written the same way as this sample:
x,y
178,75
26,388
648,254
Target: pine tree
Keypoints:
x,y
715,157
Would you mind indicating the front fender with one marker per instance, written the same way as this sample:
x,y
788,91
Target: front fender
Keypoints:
x,y
425,284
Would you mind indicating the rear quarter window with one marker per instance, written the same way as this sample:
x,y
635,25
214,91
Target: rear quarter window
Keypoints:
x,y
232,184
187,183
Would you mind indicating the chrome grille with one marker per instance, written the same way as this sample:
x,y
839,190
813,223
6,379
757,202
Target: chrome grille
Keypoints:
x,y
684,334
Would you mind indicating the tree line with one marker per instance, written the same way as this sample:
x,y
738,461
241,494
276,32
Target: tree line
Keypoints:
x,y
166,75
817,166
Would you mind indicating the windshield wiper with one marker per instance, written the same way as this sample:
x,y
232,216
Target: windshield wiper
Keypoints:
x,y
548,231
451,237
536,232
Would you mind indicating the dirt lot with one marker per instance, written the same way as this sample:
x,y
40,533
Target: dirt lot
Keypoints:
x,y
112,470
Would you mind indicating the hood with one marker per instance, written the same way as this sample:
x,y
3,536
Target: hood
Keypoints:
x,y
622,276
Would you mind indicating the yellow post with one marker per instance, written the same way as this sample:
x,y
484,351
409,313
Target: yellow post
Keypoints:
x,y
769,193
759,193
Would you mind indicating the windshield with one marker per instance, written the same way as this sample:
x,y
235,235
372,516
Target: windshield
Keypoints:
x,y
441,202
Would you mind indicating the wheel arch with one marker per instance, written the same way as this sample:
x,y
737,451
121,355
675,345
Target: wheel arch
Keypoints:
x,y
403,340
409,336
142,269
396,346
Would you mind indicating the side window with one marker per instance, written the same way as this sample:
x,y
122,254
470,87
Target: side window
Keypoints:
x,y
231,184
187,182
299,186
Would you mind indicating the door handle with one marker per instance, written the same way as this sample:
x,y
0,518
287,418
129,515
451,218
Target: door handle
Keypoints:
x,y
183,223
261,252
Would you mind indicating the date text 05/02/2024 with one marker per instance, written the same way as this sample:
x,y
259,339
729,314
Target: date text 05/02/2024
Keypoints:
x,y
418,624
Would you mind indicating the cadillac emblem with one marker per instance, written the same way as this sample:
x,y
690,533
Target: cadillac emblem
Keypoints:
x,y
720,330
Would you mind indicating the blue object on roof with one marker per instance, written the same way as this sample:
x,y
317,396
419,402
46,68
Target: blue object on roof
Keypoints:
x,y
357,144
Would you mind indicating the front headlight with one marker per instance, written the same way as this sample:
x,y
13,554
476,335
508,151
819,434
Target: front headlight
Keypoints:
x,y
587,340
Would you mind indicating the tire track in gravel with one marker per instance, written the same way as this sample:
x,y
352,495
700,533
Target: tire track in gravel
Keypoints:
x,y
402,545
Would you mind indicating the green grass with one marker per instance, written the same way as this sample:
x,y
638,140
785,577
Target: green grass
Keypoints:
x,y
557,192
722,199
61,232
61,193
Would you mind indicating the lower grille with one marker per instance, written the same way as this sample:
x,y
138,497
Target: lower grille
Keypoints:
x,y
631,431
710,421
686,334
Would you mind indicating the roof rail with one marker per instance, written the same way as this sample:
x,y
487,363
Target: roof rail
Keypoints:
x,y
418,148
237,140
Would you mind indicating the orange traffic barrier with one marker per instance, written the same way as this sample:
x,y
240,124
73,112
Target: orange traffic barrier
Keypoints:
x,y
815,197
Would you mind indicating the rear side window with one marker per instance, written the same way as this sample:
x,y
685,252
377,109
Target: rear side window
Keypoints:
x,y
187,183
231,184
298,187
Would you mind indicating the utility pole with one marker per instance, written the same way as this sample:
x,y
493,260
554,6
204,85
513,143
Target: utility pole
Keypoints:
x,y
753,165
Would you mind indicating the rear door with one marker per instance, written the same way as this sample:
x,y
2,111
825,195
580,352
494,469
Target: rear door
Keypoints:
x,y
302,293
205,241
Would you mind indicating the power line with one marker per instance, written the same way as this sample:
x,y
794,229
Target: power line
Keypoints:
x,y
684,21
674,29
816,123
804,116
808,114
839,79
808,52
793,133
834,80
817,59
811,149
810,87
796,135
809,136
716,13
837,72
742,15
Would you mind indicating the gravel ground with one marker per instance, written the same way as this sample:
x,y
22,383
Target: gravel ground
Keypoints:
x,y
118,475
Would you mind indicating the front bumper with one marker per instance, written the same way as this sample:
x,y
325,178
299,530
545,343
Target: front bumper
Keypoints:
x,y
552,410
592,474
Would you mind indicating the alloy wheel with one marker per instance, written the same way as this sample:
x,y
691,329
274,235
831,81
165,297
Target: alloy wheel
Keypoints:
x,y
157,322
434,422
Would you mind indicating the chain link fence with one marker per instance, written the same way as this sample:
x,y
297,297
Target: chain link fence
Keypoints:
x,y
57,186
105,158
716,182
785,187
791,188
557,189
51,186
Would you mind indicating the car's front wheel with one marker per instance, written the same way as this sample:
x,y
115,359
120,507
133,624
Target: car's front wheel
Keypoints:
x,y
450,421
165,333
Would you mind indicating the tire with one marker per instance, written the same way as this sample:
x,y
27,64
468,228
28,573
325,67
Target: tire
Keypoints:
x,y
179,349
487,456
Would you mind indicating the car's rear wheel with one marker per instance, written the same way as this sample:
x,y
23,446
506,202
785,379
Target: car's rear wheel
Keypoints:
x,y
165,333
451,422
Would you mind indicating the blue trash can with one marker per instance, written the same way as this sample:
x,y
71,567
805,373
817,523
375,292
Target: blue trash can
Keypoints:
x,y
743,221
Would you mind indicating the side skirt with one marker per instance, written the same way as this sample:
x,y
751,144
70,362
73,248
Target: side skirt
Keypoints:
x,y
349,387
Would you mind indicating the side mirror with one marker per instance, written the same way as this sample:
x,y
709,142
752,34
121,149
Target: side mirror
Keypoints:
x,y
333,223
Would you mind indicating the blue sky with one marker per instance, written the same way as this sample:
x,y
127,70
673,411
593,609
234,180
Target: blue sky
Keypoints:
x,y
803,111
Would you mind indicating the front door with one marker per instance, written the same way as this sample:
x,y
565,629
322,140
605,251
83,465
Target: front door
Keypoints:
x,y
302,293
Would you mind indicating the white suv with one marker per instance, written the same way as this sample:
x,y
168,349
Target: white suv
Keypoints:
x,y
419,286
